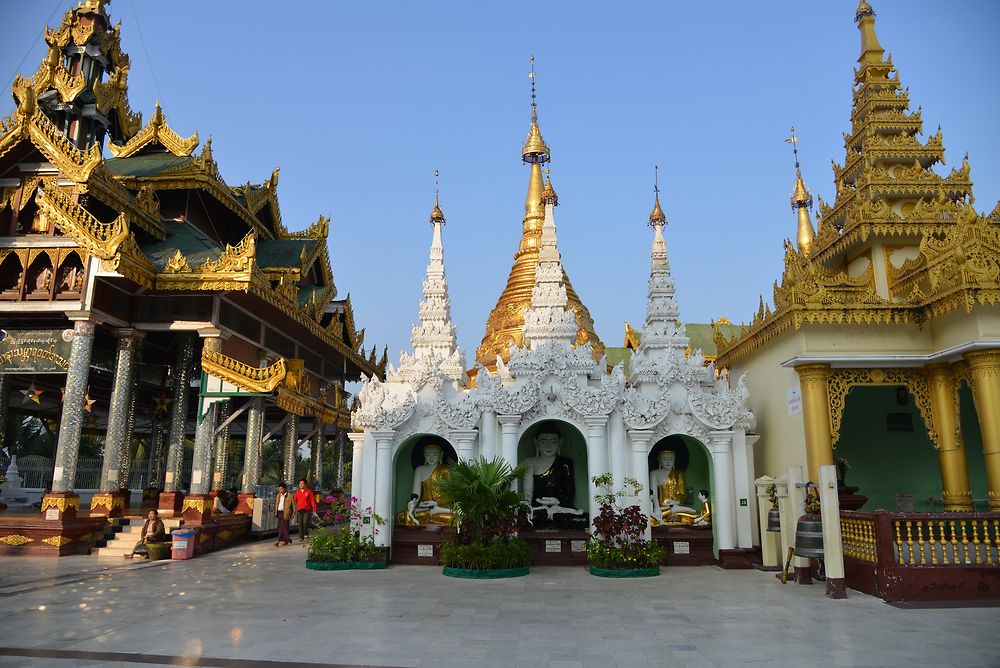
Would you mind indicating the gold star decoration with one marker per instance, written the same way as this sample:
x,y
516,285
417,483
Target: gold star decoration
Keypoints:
x,y
32,394
161,405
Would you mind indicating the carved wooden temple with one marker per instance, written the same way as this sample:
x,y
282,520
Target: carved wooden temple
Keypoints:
x,y
147,305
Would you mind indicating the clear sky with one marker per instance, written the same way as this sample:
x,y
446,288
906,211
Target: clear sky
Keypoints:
x,y
359,102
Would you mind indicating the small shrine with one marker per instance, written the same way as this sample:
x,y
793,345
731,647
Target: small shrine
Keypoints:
x,y
542,392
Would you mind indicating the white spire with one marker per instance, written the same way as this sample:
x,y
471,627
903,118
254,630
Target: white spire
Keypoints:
x,y
663,329
549,319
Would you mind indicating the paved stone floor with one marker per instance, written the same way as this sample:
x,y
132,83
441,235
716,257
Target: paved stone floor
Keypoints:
x,y
258,606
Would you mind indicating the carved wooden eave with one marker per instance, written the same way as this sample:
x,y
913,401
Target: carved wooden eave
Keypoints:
x,y
262,380
156,132
234,269
100,239
51,74
142,210
132,263
29,124
264,196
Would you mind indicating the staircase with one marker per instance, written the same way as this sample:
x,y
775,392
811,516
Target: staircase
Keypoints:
x,y
129,534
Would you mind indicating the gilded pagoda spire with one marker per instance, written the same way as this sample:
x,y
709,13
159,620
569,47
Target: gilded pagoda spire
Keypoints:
x,y
801,201
505,324
656,216
437,215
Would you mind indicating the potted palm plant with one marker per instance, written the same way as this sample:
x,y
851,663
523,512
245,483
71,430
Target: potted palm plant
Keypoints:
x,y
490,514
618,547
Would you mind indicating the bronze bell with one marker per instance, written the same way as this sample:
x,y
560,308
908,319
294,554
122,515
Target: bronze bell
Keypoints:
x,y
774,520
809,537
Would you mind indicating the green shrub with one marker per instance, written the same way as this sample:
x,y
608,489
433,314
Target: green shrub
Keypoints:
x,y
496,555
640,554
617,541
342,545
480,492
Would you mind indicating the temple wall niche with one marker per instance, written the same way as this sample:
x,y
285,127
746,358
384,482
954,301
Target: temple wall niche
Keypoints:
x,y
407,457
574,446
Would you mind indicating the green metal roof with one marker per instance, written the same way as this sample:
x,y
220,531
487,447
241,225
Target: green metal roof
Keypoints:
x,y
189,240
282,252
149,164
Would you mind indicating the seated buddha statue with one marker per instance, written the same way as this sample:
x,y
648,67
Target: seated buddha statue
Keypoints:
x,y
668,490
427,505
702,519
549,485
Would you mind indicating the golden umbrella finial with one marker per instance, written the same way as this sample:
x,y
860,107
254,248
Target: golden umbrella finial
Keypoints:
x,y
534,149
437,215
656,217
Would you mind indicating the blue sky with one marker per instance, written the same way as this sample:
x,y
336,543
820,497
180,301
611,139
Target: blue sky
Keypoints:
x,y
359,103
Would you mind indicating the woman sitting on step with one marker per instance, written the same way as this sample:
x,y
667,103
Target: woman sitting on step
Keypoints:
x,y
153,531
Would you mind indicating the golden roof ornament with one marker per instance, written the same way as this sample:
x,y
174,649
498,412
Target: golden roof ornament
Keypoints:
x,y
801,201
549,193
656,217
437,215
534,149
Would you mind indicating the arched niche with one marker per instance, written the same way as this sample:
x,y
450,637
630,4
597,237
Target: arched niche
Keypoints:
x,y
574,446
409,455
11,273
40,277
692,457
69,278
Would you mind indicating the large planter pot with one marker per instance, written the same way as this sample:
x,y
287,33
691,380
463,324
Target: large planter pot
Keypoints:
x,y
625,572
485,574
345,565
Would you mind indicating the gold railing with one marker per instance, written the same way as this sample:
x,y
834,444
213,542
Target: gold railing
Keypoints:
x,y
79,224
251,378
858,538
947,542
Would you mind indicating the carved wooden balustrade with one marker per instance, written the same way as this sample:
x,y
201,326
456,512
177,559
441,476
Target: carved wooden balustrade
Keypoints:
x,y
922,556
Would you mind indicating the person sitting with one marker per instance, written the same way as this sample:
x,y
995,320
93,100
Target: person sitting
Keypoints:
x,y
668,490
153,531
702,520
426,504
549,484
219,506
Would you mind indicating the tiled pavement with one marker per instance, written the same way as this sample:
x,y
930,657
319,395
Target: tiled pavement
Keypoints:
x,y
258,606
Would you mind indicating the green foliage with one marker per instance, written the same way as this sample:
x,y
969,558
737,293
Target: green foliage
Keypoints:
x,y
617,541
480,493
640,554
496,555
342,545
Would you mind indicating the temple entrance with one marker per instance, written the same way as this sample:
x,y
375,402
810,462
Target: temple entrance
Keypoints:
x,y
972,439
417,533
409,456
686,479
888,454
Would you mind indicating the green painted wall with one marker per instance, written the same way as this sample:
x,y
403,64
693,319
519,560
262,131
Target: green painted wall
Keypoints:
x,y
973,440
574,446
697,474
885,462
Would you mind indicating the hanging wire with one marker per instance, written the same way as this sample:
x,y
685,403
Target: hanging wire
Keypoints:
x,y
33,44
142,40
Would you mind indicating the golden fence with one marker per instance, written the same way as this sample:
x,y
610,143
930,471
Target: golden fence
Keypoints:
x,y
972,541
858,538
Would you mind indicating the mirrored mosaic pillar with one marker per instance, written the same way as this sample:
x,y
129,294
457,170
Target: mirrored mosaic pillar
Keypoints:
x,y
291,444
128,451
251,456
316,456
178,413
200,479
338,460
108,501
5,379
156,454
62,497
220,471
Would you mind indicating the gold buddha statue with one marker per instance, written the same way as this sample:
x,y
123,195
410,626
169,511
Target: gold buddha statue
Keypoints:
x,y
668,489
704,519
427,505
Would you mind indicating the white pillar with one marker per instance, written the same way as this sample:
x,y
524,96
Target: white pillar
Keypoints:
x,y
465,440
597,456
796,507
383,483
508,440
743,476
787,533
640,439
770,541
488,446
357,465
618,447
368,475
723,502
833,549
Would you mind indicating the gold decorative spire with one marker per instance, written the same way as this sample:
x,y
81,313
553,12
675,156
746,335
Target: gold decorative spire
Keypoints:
x,y
437,215
549,193
506,321
801,201
656,217
865,18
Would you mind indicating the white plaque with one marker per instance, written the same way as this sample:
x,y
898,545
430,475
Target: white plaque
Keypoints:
x,y
57,473
169,476
553,546
52,514
112,475
578,546
682,547
196,477
794,396
425,550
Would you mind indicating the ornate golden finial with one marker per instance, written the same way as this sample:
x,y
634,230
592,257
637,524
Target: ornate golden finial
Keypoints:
x,y
801,201
865,18
437,215
549,193
656,217
863,10
534,149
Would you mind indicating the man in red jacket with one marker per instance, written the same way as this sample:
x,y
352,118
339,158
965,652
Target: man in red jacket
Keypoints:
x,y
305,506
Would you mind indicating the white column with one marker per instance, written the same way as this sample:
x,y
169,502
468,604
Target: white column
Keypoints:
x,y
723,517
488,446
743,449
368,474
508,440
787,533
618,449
833,549
465,440
640,439
796,507
357,463
770,541
597,456
383,483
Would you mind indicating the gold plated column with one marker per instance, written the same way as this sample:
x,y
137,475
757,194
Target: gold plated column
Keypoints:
x,y
816,416
955,489
984,367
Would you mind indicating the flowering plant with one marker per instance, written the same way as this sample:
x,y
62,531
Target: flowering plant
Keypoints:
x,y
617,541
339,537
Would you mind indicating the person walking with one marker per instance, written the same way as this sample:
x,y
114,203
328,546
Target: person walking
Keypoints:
x,y
305,505
284,508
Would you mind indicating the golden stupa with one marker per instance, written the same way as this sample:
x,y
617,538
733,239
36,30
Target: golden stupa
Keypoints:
x,y
506,321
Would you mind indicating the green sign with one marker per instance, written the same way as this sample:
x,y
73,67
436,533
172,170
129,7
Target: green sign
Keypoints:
x,y
743,503
35,350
